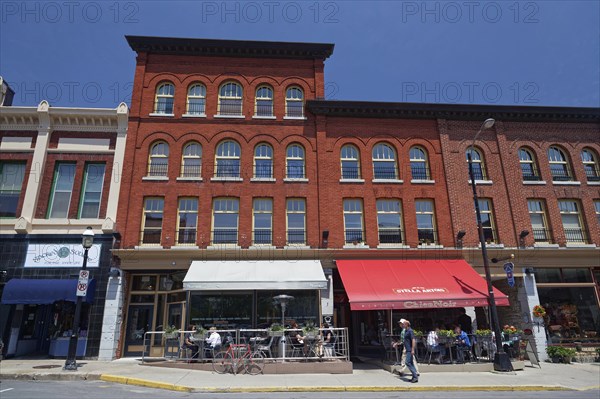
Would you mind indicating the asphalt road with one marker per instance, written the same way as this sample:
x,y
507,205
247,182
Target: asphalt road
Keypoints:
x,y
105,390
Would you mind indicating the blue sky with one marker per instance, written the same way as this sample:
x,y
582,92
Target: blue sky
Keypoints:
x,y
539,53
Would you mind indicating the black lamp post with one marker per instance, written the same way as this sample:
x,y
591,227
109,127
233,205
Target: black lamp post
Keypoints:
x,y
71,362
501,359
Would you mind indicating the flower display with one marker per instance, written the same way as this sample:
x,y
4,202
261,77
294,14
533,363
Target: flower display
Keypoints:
x,y
511,330
539,311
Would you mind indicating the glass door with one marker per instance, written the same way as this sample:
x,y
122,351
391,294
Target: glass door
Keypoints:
x,y
139,321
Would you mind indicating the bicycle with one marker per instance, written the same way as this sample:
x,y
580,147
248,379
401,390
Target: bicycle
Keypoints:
x,y
253,361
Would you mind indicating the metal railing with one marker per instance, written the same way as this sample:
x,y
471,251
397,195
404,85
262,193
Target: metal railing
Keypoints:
x,y
227,169
560,174
427,236
295,171
383,172
163,106
294,109
271,344
225,236
230,107
530,176
390,236
592,174
262,237
191,171
264,109
576,235
186,237
478,173
350,172
196,107
296,237
263,170
542,235
150,237
157,169
420,172
353,236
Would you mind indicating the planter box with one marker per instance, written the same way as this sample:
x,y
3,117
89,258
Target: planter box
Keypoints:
x,y
275,333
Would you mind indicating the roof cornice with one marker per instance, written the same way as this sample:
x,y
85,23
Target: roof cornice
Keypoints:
x,y
229,48
365,109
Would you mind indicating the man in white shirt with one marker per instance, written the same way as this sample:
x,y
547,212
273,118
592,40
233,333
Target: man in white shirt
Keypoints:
x,y
213,342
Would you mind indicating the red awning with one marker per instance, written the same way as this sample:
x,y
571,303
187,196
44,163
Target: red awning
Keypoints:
x,y
414,284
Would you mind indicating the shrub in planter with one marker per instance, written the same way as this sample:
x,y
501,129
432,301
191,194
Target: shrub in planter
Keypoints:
x,y
171,332
276,329
560,354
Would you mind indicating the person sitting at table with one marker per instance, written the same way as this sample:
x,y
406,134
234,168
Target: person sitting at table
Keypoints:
x,y
297,339
188,342
463,344
326,347
434,344
213,342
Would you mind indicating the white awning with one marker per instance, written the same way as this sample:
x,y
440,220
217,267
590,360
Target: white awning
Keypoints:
x,y
259,275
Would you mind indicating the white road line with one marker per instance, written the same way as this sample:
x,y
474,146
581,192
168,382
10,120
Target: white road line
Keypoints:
x,y
6,390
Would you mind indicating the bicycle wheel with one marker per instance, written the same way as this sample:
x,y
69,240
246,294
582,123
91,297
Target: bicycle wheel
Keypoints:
x,y
255,363
223,363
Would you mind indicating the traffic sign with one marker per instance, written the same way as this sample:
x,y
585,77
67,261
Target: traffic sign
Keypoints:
x,y
82,283
509,267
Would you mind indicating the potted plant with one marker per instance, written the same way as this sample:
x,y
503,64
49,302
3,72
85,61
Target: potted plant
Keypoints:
x,y
310,330
511,332
171,332
446,335
560,354
276,330
538,311
200,331
598,354
483,333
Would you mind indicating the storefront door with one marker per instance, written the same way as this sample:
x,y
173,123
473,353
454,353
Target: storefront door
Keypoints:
x,y
139,321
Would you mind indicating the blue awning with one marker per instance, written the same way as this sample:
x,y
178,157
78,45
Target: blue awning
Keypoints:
x,y
43,291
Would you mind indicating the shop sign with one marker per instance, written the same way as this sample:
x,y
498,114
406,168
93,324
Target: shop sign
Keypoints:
x,y
430,304
420,290
61,255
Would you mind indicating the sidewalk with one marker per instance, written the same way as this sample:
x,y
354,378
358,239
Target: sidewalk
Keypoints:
x,y
366,377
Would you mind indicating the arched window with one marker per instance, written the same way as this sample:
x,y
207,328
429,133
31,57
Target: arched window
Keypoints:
x,y
163,102
478,164
294,102
191,160
227,159
196,99
559,165
419,166
264,101
384,162
590,164
294,161
263,161
350,161
230,99
158,161
528,165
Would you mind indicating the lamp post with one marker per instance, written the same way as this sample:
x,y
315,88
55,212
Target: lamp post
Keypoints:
x,y
283,301
501,359
71,363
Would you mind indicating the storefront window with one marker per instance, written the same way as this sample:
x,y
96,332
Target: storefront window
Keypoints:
x,y
572,312
303,308
228,310
543,275
143,283
576,276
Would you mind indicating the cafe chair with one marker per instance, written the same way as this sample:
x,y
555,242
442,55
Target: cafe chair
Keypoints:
x,y
431,350
266,348
463,352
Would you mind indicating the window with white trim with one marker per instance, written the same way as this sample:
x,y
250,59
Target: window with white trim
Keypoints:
x,y
571,219
296,221
479,171
590,164
559,165
225,220
528,165
597,208
158,161
419,166
389,221
163,101
264,101
294,102
539,220
230,99
191,160
196,99
12,175
487,220
384,162
350,162
294,162
153,221
263,221
62,189
353,221
187,221
263,161
426,230
91,193
227,159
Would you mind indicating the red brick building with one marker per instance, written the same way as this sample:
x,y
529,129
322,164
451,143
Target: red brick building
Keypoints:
x,y
233,155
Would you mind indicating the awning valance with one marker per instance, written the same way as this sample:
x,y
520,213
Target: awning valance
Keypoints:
x,y
259,275
43,291
414,284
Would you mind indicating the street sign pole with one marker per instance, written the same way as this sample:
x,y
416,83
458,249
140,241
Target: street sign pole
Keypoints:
x,y
71,362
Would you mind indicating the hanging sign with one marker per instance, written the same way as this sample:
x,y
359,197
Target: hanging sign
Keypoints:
x,y
82,283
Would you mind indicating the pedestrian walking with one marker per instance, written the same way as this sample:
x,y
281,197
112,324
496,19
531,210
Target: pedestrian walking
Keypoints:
x,y
410,345
401,347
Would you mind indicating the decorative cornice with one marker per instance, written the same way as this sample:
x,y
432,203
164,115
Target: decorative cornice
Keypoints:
x,y
364,109
229,48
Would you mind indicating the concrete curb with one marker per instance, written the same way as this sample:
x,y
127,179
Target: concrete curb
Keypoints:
x,y
50,377
181,388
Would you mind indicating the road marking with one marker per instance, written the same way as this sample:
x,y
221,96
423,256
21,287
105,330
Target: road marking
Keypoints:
x,y
6,390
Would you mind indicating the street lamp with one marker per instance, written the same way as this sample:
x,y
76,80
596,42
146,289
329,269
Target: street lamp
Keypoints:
x,y
87,240
501,359
283,301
